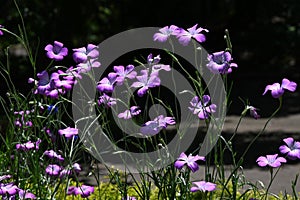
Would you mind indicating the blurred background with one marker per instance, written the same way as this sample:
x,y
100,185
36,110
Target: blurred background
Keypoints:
x,y
265,36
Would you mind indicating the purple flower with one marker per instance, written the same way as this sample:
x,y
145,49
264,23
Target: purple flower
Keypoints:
x,y
82,54
292,148
52,154
65,172
9,189
68,132
107,84
145,82
201,107
87,66
107,100
277,90
25,195
153,61
123,73
29,145
155,67
1,32
127,114
84,190
153,127
57,51
190,161
165,33
185,37
53,169
220,62
47,86
203,186
150,128
4,177
270,160
76,167
253,112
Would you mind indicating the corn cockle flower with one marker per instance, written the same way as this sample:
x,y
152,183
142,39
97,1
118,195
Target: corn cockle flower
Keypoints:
x,y
82,54
25,195
53,169
107,100
220,62
270,160
1,32
68,132
155,67
57,51
291,149
87,66
185,37
253,112
190,161
84,190
107,83
203,186
145,82
165,33
153,127
8,189
277,90
121,72
52,154
201,107
127,114
4,177
29,145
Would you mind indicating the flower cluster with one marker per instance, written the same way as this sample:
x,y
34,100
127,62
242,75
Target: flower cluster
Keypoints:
x,y
291,149
22,119
61,81
184,36
11,191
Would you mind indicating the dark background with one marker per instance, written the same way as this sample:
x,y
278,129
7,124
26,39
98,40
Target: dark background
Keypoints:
x,y
265,36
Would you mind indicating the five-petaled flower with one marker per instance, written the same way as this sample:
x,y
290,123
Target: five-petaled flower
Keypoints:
x,y
127,114
153,127
107,100
57,51
185,37
68,132
165,33
107,83
81,55
270,160
84,190
145,82
53,169
201,107
121,72
52,154
220,62
190,161
203,186
277,90
292,148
